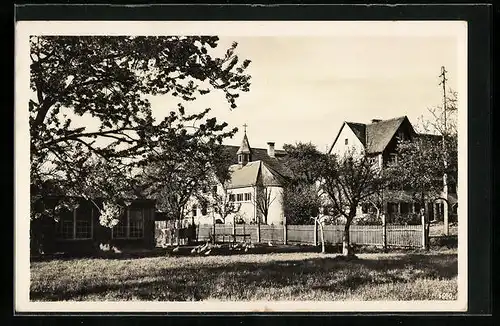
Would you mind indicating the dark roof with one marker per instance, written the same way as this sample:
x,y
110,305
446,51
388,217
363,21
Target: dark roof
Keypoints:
x,y
245,146
260,162
379,134
430,137
359,130
259,154
374,136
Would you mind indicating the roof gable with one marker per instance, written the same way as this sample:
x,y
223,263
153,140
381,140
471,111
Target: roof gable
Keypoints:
x,y
254,173
375,136
379,134
358,129
244,176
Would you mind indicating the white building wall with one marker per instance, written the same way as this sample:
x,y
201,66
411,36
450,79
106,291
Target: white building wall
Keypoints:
x,y
247,208
340,147
276,208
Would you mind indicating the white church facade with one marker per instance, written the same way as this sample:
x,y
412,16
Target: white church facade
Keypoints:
x,y
254,193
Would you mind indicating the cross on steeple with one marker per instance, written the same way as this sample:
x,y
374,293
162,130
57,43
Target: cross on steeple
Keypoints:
x,y
245,127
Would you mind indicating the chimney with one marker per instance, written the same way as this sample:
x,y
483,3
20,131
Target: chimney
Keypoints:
x,y
270,149
376,120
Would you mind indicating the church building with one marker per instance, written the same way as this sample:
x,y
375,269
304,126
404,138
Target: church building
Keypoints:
x,y
254,192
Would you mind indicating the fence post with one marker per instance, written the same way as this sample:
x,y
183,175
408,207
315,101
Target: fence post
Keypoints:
x,y
258,231
213,236
284,231
315,232
424,238
384,232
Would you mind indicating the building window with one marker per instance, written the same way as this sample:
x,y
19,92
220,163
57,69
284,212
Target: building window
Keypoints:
x,y
239,197
136,221
131,225
346,141
393,158
194,210
248,196
204,209
231,197
214,189
120,230
76,224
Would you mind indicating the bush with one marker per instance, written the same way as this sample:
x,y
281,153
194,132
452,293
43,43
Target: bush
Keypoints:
x,y
367,219
406,219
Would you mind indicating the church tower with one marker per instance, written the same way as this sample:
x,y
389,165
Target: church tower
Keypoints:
x,y
244,152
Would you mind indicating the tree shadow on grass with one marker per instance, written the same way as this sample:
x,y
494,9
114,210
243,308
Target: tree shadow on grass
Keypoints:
x,y
240,280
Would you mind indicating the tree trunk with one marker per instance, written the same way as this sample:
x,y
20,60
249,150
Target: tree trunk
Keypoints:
x,y
427,220
258,228
346,243
213,235
322,230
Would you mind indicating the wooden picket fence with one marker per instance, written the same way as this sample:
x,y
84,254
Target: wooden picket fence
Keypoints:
x,y
410,236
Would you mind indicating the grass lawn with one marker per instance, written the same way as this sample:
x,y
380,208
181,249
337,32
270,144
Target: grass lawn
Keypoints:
x,y
275,276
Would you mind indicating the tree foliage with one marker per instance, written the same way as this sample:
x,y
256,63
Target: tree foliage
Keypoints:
x,y
186,163
420,167
109,80
347,181
301,197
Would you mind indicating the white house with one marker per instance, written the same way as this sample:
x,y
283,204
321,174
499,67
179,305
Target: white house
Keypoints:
x,y
254,191
378,141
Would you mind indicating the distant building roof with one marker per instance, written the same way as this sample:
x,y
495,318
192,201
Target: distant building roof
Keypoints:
x,y
244,175
359,130
379,134
245,146
430,137
254,173
262,169
260,154
374,136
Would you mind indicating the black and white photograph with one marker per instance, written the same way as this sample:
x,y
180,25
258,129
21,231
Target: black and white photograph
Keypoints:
x,y
241,166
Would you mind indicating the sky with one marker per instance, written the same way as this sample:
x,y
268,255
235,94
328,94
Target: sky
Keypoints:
x,y
303,88
307,78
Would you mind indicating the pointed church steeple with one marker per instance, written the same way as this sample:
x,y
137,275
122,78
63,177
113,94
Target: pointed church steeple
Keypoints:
x,y
244,152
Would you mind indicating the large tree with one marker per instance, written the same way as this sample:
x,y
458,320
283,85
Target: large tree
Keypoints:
x,y
178,170
301,196
348,181
419,169
443,122
109,80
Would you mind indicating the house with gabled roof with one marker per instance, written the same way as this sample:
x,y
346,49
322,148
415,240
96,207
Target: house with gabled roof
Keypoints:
x,y
378,140
256,179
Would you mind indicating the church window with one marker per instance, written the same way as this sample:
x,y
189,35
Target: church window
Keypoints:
x,y
204,209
